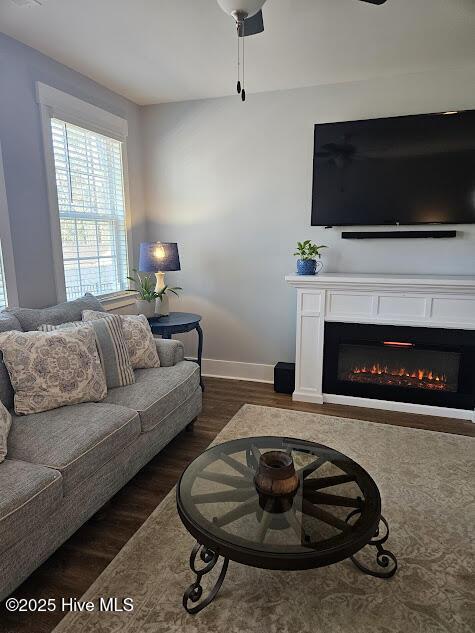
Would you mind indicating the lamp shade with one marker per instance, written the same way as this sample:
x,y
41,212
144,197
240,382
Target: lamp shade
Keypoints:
x,y
247,7
158,257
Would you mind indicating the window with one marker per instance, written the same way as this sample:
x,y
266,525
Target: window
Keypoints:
x,y
8,289
3,286
90,189
86,166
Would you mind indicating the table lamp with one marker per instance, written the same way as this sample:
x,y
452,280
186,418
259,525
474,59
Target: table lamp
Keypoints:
x,y
158,258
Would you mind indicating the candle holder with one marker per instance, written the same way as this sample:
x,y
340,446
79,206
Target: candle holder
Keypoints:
x,y
276,476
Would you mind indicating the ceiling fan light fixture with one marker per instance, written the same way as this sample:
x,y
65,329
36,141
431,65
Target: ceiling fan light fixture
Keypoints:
x,y
245,8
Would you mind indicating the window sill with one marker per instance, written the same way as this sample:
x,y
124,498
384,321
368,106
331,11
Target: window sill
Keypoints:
x,y
118,300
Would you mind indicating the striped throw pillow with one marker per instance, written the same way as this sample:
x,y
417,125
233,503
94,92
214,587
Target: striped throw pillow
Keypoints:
x,y
138,338
111,346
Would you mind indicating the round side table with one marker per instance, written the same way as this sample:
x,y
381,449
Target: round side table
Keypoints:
x,y
176,323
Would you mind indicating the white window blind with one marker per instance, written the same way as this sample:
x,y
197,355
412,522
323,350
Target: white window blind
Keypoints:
x,y
3,286
90,185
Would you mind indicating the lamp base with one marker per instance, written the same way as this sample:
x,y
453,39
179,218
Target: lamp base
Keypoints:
x,y
162,307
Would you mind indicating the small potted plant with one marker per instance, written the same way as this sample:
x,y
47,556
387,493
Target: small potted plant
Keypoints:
x,y
161,304
307,253
145,286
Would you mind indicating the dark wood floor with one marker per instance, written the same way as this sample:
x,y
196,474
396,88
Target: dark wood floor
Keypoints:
x,y
75,565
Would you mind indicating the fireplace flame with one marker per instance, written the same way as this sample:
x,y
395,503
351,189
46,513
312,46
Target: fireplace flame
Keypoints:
x,y
422,377
420,374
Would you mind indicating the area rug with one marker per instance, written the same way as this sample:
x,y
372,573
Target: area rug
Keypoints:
x,y
426,482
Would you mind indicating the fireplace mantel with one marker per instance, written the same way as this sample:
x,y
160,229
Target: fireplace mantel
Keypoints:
x,y
413,300
449,283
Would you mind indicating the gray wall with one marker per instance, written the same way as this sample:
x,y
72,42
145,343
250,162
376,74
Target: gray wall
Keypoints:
x,y
20,136
231,183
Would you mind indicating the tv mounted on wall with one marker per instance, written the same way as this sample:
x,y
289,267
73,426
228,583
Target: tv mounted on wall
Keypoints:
x,y
400,170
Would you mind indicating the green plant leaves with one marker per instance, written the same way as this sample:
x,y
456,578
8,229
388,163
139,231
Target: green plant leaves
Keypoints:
x,y
144,285
163,291
308,250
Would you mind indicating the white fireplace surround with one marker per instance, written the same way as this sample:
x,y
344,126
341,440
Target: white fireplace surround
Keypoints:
x,y
411,300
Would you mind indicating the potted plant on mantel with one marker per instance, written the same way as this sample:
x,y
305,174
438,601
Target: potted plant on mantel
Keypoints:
x,y
307,252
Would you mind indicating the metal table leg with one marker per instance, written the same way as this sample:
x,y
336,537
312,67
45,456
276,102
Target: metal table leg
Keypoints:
x,y
200,351
386,562
195,591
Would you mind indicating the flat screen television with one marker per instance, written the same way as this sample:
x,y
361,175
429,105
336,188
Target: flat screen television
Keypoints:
x,y
400,170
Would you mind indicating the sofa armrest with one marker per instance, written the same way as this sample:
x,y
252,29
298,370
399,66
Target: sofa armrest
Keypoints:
x,y
170,352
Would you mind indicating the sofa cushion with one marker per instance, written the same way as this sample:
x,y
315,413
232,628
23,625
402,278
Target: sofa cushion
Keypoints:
x,y
157,392
32,318
76,440
7,322
28,494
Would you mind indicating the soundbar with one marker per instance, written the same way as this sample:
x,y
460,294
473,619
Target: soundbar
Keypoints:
x,y
377,235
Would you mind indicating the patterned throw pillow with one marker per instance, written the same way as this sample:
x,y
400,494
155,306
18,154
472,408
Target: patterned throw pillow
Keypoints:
x,y
5,424
111,345
138,336
52,369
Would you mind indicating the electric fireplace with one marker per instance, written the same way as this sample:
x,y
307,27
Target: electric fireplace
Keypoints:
x,y
405,364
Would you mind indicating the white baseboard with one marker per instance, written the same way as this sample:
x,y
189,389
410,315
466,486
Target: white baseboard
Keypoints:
x,y
237,371
404,407
304,396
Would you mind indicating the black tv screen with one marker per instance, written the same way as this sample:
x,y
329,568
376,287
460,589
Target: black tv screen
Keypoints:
x,y
401,170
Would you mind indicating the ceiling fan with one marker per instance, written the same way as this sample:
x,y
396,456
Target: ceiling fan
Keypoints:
x,y
249,21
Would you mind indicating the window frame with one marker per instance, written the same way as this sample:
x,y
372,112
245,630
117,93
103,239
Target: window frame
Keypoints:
x,y
56,104
6,243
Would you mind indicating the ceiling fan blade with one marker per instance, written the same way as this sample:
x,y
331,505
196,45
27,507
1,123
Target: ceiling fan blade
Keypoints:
x,y
252,25
374,1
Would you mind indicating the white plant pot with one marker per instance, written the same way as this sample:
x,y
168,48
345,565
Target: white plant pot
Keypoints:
x,y
162,306
147,308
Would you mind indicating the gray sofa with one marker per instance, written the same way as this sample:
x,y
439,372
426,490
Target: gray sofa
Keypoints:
x,y
63,465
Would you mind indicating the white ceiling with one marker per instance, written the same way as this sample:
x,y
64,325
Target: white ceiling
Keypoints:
x,y
153,51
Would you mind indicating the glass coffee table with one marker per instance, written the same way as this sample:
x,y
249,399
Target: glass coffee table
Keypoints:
x,y
279,503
